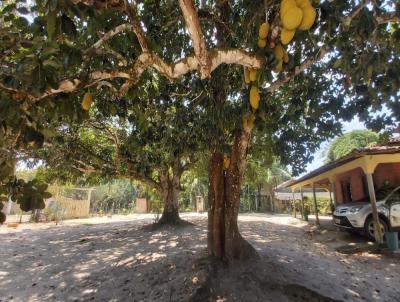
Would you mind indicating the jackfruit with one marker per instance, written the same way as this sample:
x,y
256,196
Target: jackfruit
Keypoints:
x,y
303,3
263,30
254,97
87,101
262,43
279,51
278,67
227,162
285,57
246,75
292,17
286,5
287,35
251,120
248,121
253,74
309,15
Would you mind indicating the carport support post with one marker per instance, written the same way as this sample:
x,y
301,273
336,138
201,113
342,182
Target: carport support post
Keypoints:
x,y
333,191
315,206
302,203
294,205
331,201
375,215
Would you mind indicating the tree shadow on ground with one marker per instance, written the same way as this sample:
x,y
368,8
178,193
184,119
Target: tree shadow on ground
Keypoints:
x,y
122,262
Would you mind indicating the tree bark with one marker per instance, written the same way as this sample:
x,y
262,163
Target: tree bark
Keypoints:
x,y
169,190
224,239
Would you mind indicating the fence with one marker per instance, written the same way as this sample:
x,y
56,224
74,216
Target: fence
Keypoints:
x,y
74,208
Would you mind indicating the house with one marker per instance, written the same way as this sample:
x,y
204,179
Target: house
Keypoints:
x,y
360,175
284,197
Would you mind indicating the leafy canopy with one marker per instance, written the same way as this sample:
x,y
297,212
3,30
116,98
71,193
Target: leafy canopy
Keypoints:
x,y
347,142
124,52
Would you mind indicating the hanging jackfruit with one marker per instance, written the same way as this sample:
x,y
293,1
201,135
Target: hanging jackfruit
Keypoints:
x,y
287,35
263,30
246,75
286,5
253,74
254,97
303,3
285,57
248,121
309,15
291,14
227,161
87,101
278,67
279,51
262,43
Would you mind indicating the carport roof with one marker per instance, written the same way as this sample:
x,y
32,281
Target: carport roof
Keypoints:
x,y
390,148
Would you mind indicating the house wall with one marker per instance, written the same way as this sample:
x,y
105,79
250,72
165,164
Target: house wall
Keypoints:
x,y
387,172
384,172
355,178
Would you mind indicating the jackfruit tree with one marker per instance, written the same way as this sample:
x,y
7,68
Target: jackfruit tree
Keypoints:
x,y
150,139
290,83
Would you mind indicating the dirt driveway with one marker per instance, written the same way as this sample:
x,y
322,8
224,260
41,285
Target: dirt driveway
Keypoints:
x,y
116,259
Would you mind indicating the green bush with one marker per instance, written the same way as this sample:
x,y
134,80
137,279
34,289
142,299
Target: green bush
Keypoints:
x,y
324,206
54,212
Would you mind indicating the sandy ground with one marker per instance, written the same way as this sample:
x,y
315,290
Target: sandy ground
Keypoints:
x,y
116,259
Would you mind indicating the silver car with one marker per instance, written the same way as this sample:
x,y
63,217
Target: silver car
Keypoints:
x,y
357,216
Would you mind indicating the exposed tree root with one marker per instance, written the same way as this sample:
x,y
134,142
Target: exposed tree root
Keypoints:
x,y
245,281
167,223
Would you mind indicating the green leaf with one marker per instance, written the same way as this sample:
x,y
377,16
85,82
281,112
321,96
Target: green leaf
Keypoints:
x,y
46,195
337,64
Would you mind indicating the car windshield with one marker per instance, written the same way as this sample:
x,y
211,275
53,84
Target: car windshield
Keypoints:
x,y
394,198
383,192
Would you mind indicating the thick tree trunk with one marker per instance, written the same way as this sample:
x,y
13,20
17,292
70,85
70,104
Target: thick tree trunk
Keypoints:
x,y
170,188
224,239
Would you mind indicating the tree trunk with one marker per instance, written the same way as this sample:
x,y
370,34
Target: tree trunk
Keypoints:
x,y
169,190
9,205
258,199
224,239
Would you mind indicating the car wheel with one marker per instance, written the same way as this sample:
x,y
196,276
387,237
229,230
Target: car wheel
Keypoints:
x,y
369,228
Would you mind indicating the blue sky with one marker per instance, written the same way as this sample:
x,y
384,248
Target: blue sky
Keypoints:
x,y
318,161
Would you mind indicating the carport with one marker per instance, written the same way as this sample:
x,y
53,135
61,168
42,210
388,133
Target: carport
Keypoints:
x,y
355,176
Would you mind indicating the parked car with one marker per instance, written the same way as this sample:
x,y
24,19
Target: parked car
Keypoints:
x,y
357,216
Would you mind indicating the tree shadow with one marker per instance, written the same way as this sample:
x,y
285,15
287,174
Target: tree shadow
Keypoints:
x,y
122,262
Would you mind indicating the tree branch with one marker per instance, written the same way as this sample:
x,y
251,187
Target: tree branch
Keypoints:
x,y
196,35
170,71
142,177
18,93
346,21
298,69
137,29
68,86
108,35
175,70
387,18
380,18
